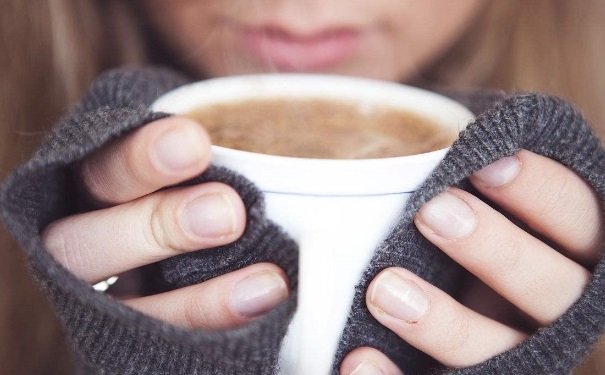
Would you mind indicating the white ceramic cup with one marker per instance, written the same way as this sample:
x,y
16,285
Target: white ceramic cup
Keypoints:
x,y
337,210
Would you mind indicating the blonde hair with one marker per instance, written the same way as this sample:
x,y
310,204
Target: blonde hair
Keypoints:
x,y
552,46
54,49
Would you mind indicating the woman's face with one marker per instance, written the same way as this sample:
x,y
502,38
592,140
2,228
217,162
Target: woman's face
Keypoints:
x,y
383,39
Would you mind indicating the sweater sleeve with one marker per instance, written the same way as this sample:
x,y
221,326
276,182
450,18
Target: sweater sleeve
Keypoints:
x,y
108,337
545,125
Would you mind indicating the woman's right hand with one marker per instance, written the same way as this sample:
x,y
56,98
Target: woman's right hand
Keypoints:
x,y
140,225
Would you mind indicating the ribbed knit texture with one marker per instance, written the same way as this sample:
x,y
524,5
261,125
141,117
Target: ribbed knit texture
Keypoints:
x,y
109,338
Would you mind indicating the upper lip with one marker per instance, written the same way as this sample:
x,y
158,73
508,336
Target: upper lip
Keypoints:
x,y
294,32
297,49
284,34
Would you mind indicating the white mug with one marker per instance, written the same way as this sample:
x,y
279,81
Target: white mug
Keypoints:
x,y
338,211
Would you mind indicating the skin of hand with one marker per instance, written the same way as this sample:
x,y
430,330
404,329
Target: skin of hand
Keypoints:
x,y
526,277
124,178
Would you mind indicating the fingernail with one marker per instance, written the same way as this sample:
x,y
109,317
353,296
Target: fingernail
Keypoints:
x,y
499,173
209,216
178,149
399,297
448,216
367,368
258,294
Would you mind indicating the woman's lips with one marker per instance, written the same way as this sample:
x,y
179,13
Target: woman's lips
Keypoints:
x,y
286,51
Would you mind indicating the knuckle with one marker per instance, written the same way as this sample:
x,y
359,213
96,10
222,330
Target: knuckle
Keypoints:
x,y
194,314
155,234
198,313
162,230
93,181
66,249
507,258
549,195
458,334
110,174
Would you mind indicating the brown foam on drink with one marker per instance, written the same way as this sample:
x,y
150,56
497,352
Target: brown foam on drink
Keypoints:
x,y
320,128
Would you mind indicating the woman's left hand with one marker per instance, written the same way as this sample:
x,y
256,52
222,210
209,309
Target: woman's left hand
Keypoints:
x,y
522,283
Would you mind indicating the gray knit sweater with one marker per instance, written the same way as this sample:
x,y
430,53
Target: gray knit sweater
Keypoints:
x,y
109,338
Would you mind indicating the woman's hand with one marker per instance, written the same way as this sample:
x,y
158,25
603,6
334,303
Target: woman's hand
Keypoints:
x,y
141,225
533,283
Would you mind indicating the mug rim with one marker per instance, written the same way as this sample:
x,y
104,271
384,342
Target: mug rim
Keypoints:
x,y
322,177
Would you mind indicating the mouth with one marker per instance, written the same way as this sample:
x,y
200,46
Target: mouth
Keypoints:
x,y
283,50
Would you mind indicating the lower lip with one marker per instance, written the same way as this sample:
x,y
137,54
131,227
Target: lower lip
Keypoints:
x,y
292,53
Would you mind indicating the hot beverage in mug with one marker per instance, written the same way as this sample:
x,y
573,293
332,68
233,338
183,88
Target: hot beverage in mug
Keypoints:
x,y
320,128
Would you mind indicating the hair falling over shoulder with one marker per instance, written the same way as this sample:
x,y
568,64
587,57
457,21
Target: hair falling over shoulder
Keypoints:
x,y
56,48
52,50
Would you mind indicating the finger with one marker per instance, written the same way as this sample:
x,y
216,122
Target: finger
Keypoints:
x,y
368,361
98,244
226,301
549,198
537,279
434,322
160,154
